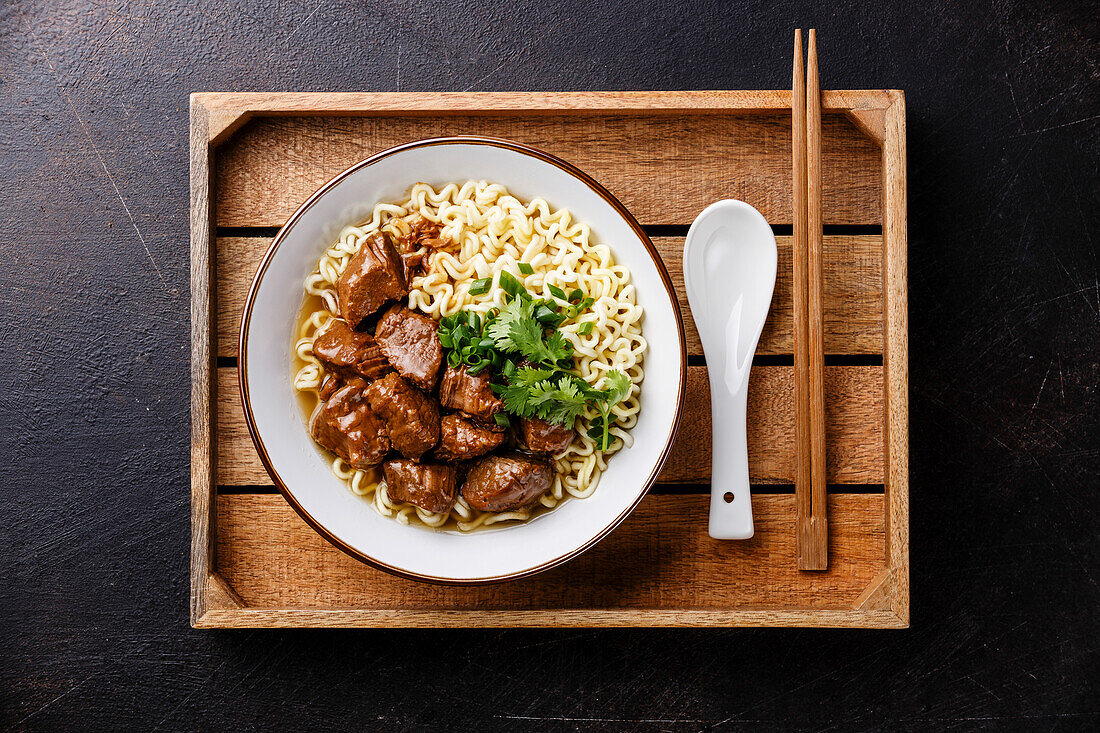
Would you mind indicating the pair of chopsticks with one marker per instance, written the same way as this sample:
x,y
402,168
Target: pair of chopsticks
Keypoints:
x,y
809,347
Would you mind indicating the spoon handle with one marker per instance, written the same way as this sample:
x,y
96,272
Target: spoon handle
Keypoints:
x,y
730,500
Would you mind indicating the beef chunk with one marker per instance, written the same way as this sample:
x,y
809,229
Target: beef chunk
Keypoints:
x,y
374,275
461,438
411,417
411,342
329,386
430,486
540,436
345,424
470,393
349,353
500,483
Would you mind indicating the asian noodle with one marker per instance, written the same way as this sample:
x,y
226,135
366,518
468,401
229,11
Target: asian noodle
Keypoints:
x,y
490,230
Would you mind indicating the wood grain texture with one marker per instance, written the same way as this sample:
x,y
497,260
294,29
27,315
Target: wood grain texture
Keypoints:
x,y
854,406
665,168
281,618
809,356
272,559
853,293
654,102
896,359
203,407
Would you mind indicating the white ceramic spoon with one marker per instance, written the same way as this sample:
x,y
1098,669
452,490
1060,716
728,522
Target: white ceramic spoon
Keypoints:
x,y
729,273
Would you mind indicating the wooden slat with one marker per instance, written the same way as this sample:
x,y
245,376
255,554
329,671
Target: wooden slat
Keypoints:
x,y
863,617
853,424
743,101
665,168
659,559
203,379
896,360
853,293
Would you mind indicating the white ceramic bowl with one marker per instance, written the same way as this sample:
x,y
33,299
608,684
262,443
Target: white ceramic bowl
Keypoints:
x,y
301,469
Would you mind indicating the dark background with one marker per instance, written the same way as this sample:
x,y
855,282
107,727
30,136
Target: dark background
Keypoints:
x,y
1003,122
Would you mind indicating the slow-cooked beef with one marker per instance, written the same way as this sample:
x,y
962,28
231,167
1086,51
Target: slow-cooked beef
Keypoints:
x,y
500,483
349,353
414,264
329,386
430,486
461,439
540,436
411,342
423,237
374,276
345,424
424,233
411,417
470,393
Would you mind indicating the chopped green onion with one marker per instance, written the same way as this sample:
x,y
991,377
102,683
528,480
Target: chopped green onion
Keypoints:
x,y
501,419
485,343
510,284
586,303
547,316
480,287
509,368
556,291
454,359
576,295
585,328
445,339
526,269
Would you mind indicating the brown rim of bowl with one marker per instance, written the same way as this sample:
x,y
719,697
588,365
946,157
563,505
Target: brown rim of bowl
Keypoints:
x,y
242,365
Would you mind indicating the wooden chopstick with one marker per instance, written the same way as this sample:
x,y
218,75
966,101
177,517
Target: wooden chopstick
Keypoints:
x,y
809,351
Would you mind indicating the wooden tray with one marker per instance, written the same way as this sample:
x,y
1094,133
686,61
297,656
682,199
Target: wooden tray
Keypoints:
x,y
666,155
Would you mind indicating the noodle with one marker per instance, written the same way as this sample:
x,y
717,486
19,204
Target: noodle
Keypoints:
x,y
489,230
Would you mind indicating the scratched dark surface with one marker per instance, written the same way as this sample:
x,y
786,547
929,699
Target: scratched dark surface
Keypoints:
x,y
1003,120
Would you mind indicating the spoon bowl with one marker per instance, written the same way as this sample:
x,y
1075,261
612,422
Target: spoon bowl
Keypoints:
x,y
730,261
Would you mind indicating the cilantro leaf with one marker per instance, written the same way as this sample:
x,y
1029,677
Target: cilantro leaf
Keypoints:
x,y
501,327
558,347
517,330
525,336
530,375
617,385
554,397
